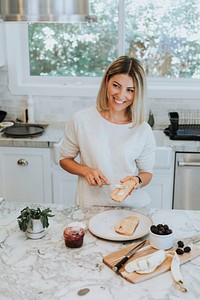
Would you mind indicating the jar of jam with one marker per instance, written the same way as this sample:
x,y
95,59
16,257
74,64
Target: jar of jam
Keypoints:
x,y
73,236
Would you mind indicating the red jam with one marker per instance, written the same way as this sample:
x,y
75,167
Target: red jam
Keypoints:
x,y
73,237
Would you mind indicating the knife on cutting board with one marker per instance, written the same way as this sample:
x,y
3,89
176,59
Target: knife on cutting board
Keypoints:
x,y
193,239
127,256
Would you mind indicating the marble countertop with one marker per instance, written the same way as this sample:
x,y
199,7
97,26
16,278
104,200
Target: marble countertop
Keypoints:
x,y
182,145
52,134
47,269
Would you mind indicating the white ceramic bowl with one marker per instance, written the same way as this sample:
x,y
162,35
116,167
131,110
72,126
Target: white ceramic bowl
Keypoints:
x,y
163,242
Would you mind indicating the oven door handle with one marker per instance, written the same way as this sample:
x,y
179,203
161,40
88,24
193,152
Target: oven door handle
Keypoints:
x,y
188,164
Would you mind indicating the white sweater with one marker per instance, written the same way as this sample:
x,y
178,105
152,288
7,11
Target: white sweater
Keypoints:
x,y
116,149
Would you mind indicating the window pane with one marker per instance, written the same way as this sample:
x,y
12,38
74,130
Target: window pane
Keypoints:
x,y
75,49
165,35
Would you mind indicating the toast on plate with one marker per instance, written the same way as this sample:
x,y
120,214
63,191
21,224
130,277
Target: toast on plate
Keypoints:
x,y
127,225
119,194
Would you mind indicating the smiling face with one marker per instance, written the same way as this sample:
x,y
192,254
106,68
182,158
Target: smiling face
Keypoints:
x,y
120,92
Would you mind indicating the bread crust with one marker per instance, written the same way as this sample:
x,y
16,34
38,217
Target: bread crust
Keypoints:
x,y
127,225
119,195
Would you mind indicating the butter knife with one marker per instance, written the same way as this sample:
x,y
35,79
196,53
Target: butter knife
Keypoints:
x,y
127,256
115,185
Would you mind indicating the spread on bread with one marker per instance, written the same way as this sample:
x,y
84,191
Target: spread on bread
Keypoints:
x,y
127,226
119,194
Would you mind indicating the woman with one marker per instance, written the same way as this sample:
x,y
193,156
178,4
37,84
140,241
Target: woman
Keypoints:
x,y
112,140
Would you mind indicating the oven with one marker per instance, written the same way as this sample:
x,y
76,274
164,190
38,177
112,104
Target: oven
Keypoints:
x,y
186,193
185,126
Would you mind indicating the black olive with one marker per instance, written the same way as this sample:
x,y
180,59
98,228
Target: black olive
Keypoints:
x,y
154,229
187,249
161,229
159,226
168,231
180,244
179,251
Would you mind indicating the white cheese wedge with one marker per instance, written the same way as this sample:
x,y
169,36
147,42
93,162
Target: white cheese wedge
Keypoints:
x,y
146,264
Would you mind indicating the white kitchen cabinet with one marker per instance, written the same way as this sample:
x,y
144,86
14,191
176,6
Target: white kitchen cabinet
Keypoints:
x,y
64,183
2,45
25,174
64,186
160,189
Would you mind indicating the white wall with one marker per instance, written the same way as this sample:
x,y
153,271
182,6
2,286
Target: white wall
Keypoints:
x,y
59,109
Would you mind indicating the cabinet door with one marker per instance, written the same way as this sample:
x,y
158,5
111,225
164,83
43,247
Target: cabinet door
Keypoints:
x,y
25,174
64,186
160,189
3,45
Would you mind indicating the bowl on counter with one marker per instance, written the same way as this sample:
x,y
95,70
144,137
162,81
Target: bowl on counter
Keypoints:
x,y
6,124
162,239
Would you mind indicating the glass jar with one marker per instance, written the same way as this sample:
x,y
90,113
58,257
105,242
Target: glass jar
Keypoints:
x,y
73,236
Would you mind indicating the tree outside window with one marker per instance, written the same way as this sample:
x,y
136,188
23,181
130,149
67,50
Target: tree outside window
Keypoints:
x,y
164,35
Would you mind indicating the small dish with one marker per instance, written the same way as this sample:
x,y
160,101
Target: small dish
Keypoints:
x,y
6,124
163,242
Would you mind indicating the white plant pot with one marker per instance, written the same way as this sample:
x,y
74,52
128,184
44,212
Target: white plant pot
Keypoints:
x,y
37,232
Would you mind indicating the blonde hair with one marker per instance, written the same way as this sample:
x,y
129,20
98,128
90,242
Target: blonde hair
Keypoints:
x,y
132,67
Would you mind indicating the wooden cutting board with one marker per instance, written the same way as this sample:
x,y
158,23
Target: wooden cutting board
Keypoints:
x,y
113,258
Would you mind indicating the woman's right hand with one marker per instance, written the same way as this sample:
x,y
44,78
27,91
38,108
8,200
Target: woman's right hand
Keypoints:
x,y
95,177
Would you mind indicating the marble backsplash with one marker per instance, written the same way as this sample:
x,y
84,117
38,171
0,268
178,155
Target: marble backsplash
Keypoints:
x,y
59,109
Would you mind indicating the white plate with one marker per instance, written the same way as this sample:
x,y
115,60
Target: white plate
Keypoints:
x,y
6,124
102,224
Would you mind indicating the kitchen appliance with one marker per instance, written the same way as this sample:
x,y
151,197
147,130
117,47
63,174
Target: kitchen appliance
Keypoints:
x,y
184,125
46,11
23,130
2,115
186,194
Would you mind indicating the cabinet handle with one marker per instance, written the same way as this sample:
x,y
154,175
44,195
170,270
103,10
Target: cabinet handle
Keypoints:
x,y
22,162
187,164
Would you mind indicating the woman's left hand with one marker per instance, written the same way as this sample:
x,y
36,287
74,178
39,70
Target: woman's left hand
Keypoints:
x,y
137,184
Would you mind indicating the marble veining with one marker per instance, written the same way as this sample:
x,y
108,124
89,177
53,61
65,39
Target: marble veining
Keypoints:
x,y
46,269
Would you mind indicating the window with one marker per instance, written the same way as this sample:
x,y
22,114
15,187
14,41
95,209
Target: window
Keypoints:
x,y
81,50
164,35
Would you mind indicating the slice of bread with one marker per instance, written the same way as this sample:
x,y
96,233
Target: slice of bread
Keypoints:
x,y
127,226
119,195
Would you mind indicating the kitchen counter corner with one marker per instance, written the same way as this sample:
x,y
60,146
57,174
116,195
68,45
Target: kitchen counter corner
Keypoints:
x,y
53,133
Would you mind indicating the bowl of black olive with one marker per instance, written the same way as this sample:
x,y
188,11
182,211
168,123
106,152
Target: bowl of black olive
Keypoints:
x,y
161,236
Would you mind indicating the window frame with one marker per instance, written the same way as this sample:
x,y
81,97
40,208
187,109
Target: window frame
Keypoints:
x,y
21,83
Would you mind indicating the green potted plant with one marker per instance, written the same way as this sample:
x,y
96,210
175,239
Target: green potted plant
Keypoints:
x,y
34,221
